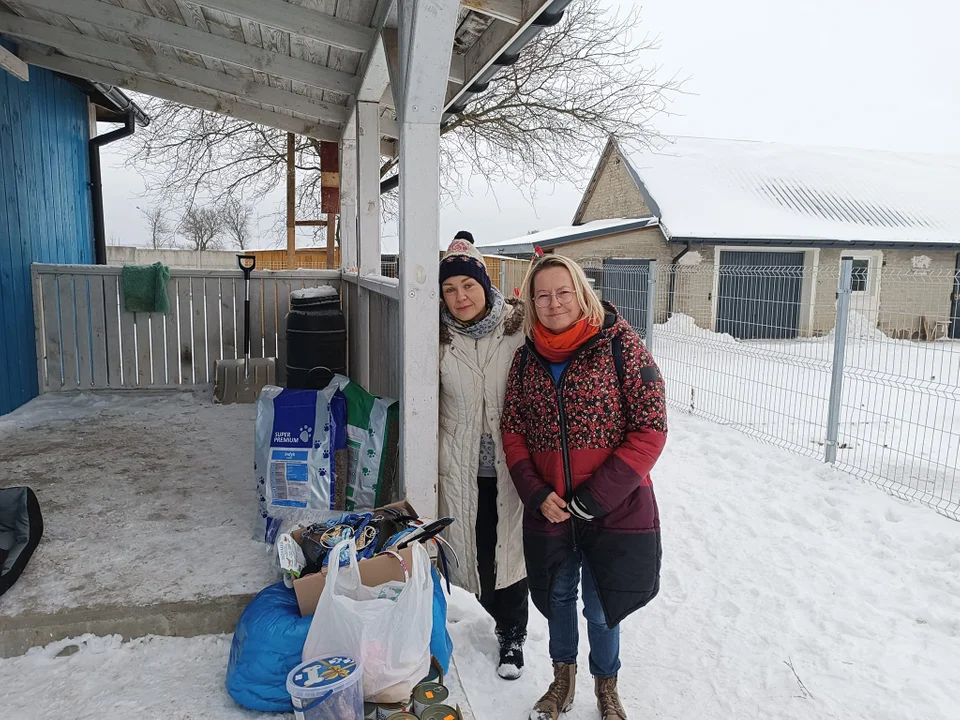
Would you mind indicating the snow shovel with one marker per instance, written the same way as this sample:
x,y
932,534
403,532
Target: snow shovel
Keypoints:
x,y
240,381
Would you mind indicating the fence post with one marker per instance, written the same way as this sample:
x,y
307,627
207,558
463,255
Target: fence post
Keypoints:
x,y
839,350
503,278
651,304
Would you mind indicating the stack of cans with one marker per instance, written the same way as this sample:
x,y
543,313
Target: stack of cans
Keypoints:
x,y
428,703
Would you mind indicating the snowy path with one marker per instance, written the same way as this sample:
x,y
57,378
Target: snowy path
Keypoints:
x,y
768,558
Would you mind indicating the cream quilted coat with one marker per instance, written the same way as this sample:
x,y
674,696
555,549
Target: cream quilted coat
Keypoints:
x,y
473,382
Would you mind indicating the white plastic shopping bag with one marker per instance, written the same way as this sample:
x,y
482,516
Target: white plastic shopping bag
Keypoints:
x,y
387,626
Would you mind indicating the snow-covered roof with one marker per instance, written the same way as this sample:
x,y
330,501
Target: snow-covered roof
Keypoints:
x,y
569,233
740,190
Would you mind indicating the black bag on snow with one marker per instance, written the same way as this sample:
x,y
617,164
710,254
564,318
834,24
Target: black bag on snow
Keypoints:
x,y
21,527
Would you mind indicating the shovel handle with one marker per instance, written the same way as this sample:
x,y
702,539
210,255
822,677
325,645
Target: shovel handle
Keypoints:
x,y
247,270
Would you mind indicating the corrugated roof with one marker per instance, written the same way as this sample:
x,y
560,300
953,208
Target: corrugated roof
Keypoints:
x,y
572,233
739,190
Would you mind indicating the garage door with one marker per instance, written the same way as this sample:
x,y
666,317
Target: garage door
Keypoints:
x,y
760,294
625,285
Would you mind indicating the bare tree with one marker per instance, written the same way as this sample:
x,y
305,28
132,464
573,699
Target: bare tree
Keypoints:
x,y
157,226
202,228
573,86
237,216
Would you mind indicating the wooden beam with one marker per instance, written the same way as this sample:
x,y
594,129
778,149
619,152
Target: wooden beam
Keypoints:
x,y
301,21
248,90
311,223
331,240
372,71
510,11
291,202
14,65
497,38
192,98
186,38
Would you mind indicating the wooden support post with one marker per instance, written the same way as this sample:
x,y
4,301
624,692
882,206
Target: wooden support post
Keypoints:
x,y
291,203
331,240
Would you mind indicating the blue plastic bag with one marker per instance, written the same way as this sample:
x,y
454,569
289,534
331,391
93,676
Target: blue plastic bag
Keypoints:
x,y
441,645
266,646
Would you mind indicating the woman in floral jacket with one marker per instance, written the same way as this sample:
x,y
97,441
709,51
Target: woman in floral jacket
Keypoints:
x,y
584,422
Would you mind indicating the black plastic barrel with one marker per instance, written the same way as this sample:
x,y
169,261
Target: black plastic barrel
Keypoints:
x,y
316,338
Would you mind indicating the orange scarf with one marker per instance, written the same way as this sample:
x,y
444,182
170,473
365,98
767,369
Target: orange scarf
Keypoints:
x,y
560,347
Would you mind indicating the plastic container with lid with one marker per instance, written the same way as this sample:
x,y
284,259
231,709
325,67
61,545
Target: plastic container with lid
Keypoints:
x,y
329,688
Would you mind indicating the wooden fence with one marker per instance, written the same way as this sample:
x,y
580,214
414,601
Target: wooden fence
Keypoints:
x,y
86,340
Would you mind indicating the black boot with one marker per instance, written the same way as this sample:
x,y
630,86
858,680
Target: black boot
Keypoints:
x,y
511,654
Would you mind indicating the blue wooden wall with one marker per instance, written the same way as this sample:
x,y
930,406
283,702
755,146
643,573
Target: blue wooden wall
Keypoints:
x,y
45,208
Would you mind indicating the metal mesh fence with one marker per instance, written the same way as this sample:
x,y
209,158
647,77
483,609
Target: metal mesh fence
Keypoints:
x,y
754,346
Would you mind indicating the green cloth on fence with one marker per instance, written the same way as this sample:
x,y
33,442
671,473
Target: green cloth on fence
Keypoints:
x,y
145,288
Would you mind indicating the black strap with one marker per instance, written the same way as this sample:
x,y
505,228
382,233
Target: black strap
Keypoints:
x,y
616,349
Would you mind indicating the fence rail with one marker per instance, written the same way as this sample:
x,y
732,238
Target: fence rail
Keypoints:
x,y
86,340
756,347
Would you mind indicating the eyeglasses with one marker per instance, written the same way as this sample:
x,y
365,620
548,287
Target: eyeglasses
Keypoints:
x,y
564,297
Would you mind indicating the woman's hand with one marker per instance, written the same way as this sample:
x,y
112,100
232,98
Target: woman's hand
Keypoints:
x,y
554,509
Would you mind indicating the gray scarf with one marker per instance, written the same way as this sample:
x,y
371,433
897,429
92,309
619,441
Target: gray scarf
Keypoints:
x,y
482,327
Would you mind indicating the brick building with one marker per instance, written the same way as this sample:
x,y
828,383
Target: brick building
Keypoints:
x,y
751,234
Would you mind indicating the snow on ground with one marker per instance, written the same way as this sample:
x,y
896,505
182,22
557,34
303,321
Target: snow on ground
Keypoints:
x,y
154,678
145,499
769,559
900,412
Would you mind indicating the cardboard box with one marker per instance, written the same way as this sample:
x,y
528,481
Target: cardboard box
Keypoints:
x,y
373,571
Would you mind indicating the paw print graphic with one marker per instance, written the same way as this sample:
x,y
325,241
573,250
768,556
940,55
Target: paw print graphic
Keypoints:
x,y
262,480
323,473
316,444
326,427
371,432
326,454
371,453
305,433
366,471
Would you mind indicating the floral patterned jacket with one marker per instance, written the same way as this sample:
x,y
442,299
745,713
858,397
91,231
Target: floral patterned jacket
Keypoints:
x,y
593,440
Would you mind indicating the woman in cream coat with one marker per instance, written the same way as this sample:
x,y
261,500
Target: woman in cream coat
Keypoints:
x,y
479,333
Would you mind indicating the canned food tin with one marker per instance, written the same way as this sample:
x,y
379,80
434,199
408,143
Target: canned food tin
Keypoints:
x,y
402,716
428,694
369,711
386,711
440,712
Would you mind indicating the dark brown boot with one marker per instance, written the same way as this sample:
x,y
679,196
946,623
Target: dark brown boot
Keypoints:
x,y
559,698
608,699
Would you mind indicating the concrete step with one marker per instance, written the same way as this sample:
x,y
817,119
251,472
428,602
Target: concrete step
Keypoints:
x,y
189,618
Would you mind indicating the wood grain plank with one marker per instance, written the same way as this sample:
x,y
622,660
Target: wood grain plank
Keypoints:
x,y
98,332
187,376
200,361
141,323
128,345
68,331
172,330
81,296
256,318
228,319
270,317
158,349
284,288
51,325
111,316
214,338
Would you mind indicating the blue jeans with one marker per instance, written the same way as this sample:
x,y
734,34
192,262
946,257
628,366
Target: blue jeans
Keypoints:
x,y
564,625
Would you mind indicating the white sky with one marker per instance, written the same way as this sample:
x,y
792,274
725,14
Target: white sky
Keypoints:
x,y
875,74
